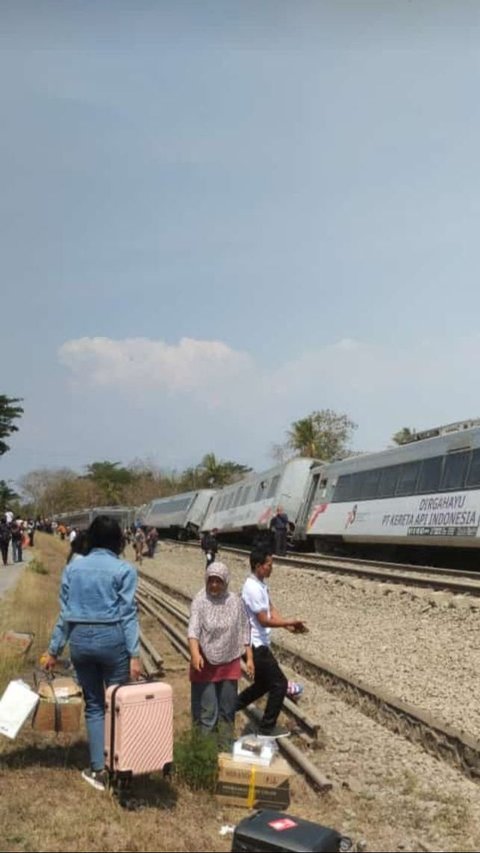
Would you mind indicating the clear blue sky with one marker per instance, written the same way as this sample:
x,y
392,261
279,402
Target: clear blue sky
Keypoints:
x,y
216,217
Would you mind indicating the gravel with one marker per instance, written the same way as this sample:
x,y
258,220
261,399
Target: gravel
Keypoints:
x,y
388,793
422,646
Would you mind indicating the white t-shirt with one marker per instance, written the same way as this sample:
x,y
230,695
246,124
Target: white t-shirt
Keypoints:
x,y
72,536
257,598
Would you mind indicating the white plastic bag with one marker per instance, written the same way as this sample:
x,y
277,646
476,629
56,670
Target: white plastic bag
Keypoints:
x,y
16,704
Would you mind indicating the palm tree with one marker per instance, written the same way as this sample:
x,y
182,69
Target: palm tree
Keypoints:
x,y
303,437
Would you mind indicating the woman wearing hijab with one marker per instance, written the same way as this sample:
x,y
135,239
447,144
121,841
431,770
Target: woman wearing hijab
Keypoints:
x,y
218,636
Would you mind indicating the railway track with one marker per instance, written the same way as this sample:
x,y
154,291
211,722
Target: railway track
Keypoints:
x,y
425,577
164,607
435,735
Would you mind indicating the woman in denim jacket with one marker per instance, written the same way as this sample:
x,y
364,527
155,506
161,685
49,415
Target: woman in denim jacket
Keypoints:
x,y
98,618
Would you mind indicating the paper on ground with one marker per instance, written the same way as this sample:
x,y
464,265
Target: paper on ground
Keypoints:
x,y
16,704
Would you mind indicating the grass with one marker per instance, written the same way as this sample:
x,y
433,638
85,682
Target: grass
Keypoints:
x,y
44,803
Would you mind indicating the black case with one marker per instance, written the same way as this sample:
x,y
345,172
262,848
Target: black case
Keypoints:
x,y
256,833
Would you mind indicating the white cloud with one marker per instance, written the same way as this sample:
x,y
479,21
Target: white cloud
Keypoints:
x,y
189,366
239,407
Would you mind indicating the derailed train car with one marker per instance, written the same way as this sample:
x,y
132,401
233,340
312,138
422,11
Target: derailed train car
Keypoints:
x,y
423,495
82,518
178,516
243,510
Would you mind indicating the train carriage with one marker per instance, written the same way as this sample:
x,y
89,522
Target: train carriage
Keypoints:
x,y
425,494
242,510
179,516
82,518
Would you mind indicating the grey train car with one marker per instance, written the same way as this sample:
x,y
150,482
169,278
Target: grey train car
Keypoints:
x,y
82,518
178,516
423,495
245,509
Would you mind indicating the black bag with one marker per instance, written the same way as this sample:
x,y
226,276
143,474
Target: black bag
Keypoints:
x,y
275,831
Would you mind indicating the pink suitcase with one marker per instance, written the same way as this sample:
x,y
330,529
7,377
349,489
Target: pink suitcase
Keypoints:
x,y
138,728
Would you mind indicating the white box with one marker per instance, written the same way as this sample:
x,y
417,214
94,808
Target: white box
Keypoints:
x,y
253,750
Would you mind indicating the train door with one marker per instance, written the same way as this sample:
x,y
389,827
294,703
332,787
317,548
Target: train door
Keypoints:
x,y
307,506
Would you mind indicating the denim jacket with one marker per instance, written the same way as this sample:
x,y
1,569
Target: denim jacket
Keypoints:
x,y
98,588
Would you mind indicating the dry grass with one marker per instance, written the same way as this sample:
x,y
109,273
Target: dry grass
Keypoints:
x,y
44,803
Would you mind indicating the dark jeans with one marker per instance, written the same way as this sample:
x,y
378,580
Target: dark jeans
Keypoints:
x,y
281,542
270,679
4,549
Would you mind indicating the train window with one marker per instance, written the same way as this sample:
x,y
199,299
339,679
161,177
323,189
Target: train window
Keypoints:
x,y
407,478
369,484
473,478
261,491
246,495
273,486
231,499
343,489
430,475
238,496
388,481
455,470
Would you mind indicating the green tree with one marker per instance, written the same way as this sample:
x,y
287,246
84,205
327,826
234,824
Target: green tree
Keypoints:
x,y
323,434
403,436
9,412
214,472
7,496
110,479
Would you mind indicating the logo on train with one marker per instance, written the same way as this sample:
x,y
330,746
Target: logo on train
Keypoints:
x,y
316,512
351,516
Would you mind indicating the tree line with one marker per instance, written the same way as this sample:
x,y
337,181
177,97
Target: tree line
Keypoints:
x,y
323,434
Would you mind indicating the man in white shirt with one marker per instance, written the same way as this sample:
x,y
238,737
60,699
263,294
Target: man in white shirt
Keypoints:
x,y
72,535
263,616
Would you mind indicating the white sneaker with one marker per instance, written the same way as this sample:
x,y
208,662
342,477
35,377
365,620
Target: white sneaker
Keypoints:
x,y
97,778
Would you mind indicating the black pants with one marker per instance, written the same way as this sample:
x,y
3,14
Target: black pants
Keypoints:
x,y
281,542
270,679
4,550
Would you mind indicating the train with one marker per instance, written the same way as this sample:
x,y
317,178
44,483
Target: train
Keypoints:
x,y
82,518
421,498
243,511
177,516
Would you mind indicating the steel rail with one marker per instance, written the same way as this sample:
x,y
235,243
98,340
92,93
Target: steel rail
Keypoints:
x,y
314,776
458,748
435,579
300,717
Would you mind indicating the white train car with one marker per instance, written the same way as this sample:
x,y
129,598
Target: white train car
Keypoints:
x,y
82,518
425,494
178,516
245,508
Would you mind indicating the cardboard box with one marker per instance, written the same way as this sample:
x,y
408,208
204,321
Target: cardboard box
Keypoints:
x,y
62,716
252,786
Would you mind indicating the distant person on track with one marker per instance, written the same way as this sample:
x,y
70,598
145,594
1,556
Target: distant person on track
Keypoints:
x,y
98,617
139,545
218,636
209,546
263,616
152,539
279,527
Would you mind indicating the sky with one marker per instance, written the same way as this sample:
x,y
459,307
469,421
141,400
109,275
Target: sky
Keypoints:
x,y
217,217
